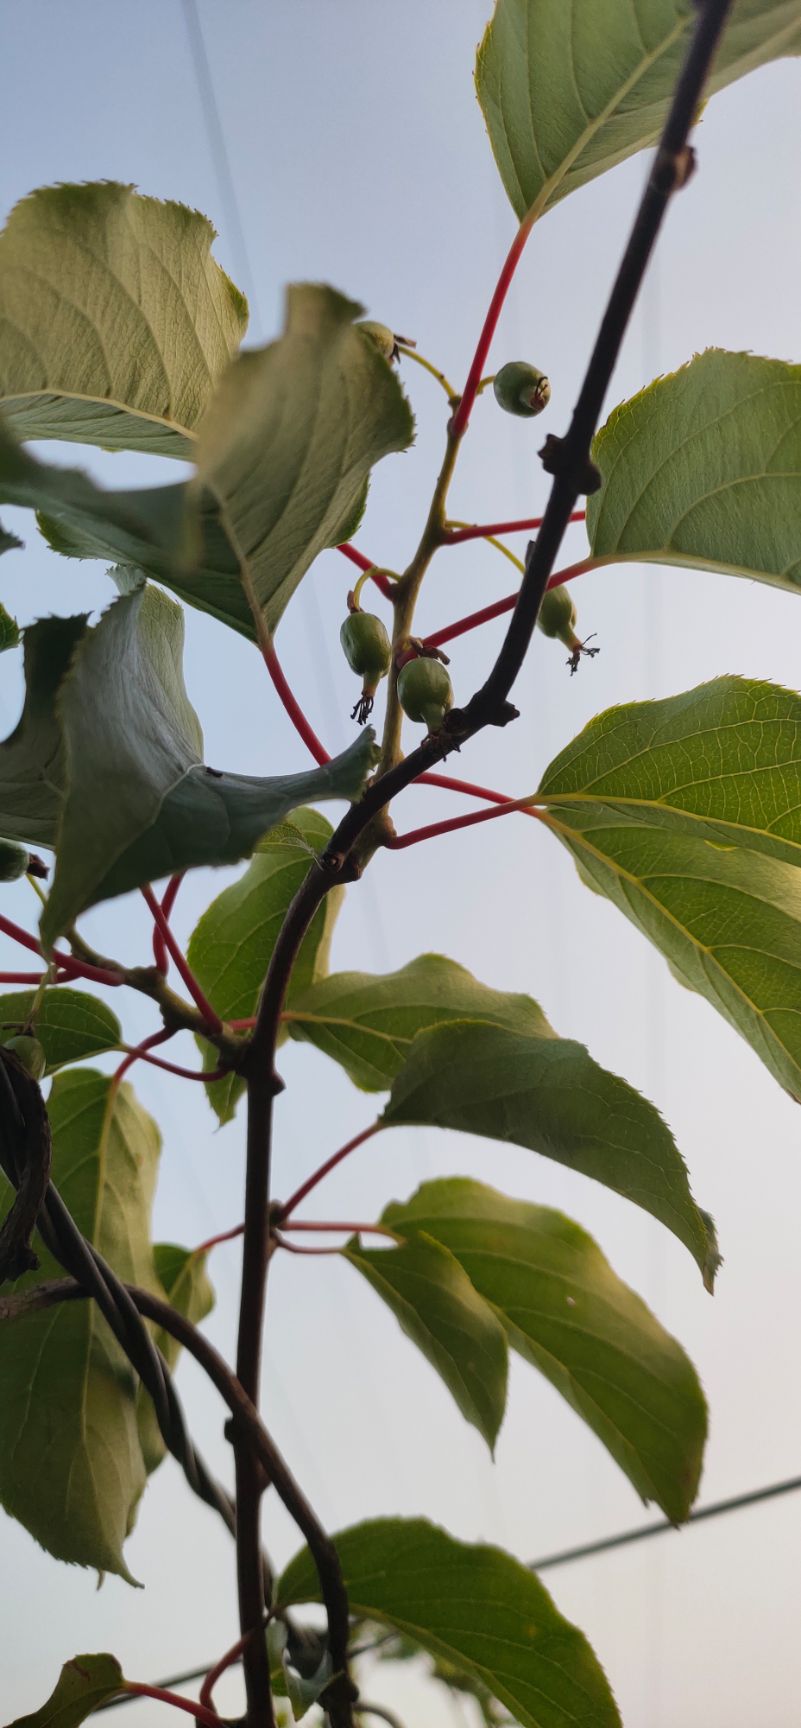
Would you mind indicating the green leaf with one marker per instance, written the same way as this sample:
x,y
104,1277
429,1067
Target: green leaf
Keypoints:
x,y
548,1094
9,543
84,1684
284,456
138,802
367,1022
473,1606
163,531
151,530
289,440
71,1466
231,946
685,813
32,757
568,1314
703,468
569,88
440,1310
70,1026
301,1688
9,628
184,1281
117,322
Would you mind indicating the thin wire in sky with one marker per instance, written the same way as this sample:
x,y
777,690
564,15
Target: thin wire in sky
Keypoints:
x,y
219,153
587,1551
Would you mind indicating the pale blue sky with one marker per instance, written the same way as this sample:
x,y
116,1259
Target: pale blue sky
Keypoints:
x,y
359,158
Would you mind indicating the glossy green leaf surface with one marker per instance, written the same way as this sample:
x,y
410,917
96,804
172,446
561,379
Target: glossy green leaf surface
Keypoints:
x,y
569,1315
129,799
569,88
685,813
471,1605
548,1094
117,322
84,1683
231,946
183,1276
71,1467
70,1025
290,437
367,1021
437,1306
703,468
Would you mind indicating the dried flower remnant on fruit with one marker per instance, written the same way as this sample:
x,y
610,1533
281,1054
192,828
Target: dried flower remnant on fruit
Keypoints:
x,y
368,651
521,389
425,691
557,618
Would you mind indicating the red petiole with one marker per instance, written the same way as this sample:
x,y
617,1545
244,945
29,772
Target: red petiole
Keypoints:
x,y
325,1169
381,581
168,900
68,963
141,1054
496,610
462,415
482,531
138,1052
214,1241
138,1690
231,1656
210,1016
292,706
449,826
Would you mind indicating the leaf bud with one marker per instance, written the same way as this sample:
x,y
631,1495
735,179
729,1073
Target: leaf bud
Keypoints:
x,y
521,389
425,691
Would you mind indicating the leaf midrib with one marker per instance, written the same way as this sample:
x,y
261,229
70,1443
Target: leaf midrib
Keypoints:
x,y
540,204
607,799
99,402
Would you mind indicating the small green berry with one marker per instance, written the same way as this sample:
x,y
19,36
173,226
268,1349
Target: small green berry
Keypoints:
x,y
29,1054
521,389
557,617
557,614
368,651
425,691
385,339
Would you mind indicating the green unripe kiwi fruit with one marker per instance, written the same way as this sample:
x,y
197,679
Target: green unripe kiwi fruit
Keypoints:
x,y
521,389
425,691
368,651
29,1054
557,615
385,339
